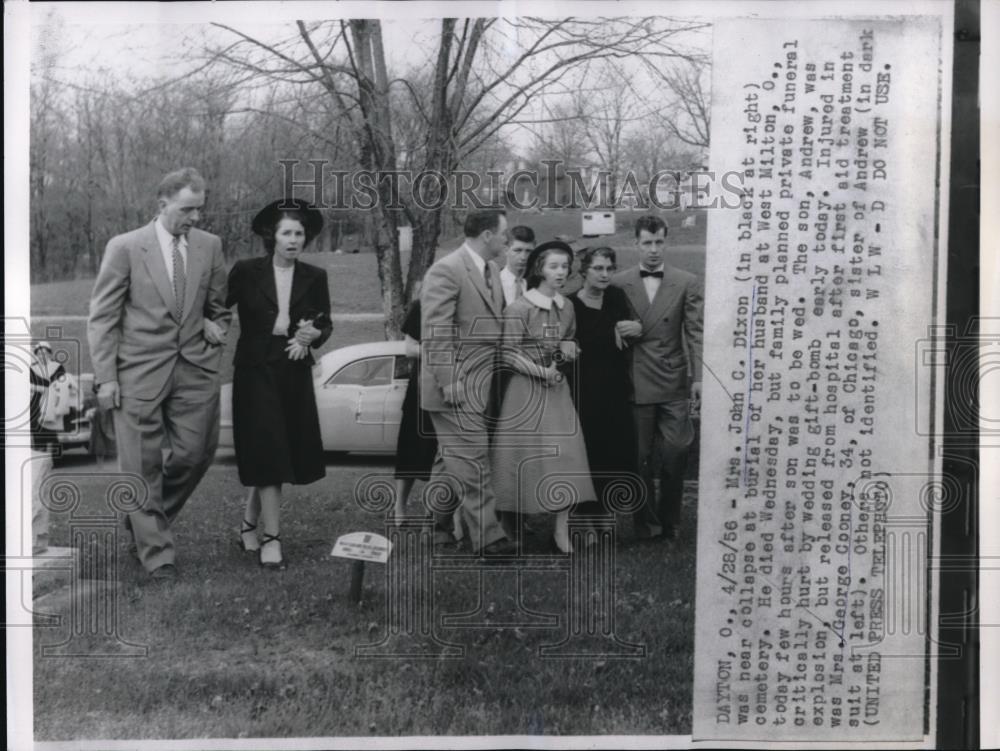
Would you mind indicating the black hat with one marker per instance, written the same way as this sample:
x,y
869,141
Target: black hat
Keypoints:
x,y
554,245
312,221
533,278
550,245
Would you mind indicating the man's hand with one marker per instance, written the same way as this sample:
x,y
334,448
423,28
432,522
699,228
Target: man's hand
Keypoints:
x,y
696,397
108,396
570,350
628,329
214,333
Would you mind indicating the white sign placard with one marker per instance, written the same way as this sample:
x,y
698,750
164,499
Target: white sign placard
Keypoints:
x,y
362,546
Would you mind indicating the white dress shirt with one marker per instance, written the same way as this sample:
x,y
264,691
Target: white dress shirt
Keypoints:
x,y
167,249
510,285
651,283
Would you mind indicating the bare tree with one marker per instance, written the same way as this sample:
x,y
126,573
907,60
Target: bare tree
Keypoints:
x,y
560,135
607,111
689,117
651,148
44,150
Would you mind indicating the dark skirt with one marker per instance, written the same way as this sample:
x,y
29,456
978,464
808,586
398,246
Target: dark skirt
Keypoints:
x,y
275,424
609,432
416,446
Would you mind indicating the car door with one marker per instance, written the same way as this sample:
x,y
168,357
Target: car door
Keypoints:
x,y
351,405
394,402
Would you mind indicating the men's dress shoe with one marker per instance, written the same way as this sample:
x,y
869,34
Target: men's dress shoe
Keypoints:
x,y
499,548
166,572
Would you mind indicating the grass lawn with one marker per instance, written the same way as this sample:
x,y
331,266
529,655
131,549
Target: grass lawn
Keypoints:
x,y
234,651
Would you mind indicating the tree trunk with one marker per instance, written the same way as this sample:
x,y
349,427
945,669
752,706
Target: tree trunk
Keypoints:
x,y
378,153
426,234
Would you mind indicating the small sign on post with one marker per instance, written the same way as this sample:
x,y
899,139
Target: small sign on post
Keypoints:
x,y
361,547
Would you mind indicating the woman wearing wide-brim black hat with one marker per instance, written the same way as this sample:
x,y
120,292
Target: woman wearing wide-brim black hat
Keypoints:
x,y
284,312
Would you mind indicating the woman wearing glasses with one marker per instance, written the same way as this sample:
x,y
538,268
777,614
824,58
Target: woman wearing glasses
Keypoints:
x,y
601,382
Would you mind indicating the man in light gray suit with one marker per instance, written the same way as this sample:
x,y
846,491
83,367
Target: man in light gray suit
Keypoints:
x,y
157,323
461,304
664,340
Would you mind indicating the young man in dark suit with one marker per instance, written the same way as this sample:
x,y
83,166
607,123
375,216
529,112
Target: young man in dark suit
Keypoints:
x,y
665,341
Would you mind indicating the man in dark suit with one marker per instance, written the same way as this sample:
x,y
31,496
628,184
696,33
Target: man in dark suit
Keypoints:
x,y
462,303
664,341
157,320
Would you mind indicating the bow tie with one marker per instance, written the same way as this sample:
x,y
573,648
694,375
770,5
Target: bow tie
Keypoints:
x,y
643,274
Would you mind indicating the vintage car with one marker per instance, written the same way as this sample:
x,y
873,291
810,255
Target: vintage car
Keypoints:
x,y
359,396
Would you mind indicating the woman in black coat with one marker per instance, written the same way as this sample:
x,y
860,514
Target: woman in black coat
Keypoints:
x,y
416,445
284,312
602,382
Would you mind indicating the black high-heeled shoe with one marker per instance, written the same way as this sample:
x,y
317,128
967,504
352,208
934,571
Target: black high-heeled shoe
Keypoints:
x,y
245,529
273,565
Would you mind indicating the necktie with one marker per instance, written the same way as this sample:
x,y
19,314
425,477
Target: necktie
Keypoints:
x,y
179,279
488,278
657,274
518,288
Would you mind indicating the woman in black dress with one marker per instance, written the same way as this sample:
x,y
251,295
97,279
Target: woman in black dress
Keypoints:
x,y
417,443
602,380
284,311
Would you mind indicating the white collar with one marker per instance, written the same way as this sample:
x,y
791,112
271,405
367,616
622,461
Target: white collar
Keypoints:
x,y
542,301
165,238
508,274
476,258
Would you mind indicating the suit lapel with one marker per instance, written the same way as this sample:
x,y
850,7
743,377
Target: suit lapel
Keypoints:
x,y
265,279
300,283
152,256
477,280
635,290
663,295
196,257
